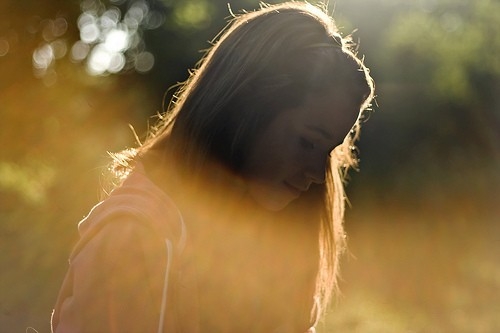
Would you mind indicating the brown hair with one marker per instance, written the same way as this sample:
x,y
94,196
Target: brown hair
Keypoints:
x,y
266,62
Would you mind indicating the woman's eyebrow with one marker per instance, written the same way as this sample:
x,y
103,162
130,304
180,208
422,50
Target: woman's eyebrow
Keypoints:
x,y
325,134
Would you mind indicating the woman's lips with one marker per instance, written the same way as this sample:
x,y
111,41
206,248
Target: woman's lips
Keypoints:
x,y
294,190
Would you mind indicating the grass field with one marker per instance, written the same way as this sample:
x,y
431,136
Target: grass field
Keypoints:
x,y
429,268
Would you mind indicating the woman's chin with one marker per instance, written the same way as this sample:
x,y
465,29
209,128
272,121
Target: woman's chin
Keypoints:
x,y
271,199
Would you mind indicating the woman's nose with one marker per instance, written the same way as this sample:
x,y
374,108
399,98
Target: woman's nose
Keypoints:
x,y
315,172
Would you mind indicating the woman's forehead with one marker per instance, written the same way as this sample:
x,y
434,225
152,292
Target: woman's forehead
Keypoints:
x,y
330,112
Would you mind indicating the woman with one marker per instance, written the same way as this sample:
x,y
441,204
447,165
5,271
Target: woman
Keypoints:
x,y
228,218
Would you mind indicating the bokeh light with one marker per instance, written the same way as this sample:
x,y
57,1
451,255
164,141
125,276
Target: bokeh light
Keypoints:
x,y
110,42
144,62
114,43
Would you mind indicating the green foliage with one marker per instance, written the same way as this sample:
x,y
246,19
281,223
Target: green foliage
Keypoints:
x,y
451,43
194,14
29,182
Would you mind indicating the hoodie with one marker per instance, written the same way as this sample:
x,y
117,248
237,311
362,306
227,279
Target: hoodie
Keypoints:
x,y
123,272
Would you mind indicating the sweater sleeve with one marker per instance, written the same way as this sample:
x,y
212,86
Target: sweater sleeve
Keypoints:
x,y
114,283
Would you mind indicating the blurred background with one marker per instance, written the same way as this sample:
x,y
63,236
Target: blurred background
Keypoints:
x,y
423,225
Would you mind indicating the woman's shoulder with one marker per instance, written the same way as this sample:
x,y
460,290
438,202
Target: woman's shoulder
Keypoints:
x,y
137,203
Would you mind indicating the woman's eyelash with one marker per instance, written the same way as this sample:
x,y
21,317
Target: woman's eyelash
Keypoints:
x,y
306,144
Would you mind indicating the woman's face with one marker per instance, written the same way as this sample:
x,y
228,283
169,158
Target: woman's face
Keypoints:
x,y
292,152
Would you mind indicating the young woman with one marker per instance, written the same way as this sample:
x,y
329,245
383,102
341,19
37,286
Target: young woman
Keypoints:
x,y
228,218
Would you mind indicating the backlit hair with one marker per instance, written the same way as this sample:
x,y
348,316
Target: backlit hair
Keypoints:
x,y
266,62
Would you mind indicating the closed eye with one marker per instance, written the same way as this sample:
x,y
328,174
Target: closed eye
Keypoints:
x,y
306,144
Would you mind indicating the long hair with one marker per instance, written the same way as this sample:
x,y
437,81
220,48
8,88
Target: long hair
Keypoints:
x,y
264,63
